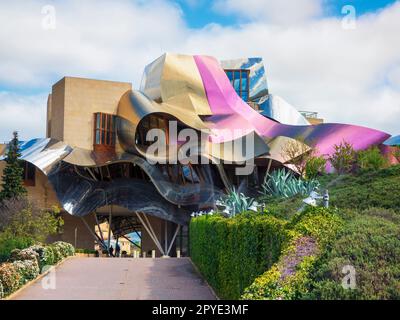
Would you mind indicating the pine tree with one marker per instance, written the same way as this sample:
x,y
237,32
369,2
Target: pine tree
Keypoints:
x,y
12,182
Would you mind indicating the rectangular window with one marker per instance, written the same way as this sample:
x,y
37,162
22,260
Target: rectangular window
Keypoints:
x,y
29,174
104,131
240,81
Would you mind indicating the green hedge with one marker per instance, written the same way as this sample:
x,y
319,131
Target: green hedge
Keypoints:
x,y
231,253
312,232
370,242
367,189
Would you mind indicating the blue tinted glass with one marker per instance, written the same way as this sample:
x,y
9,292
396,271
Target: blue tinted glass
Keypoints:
x,y
230,75
244,82
245,96
236,83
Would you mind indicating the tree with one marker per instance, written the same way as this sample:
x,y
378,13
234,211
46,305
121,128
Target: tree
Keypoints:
x,y
297,153
396,153
20,218
371,159
12,182
315,166
343,158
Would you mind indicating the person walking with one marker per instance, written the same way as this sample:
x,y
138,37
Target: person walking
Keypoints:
x,y
117,250
111,251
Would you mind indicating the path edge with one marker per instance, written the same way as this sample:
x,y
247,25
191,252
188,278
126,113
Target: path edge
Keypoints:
x,y
39,277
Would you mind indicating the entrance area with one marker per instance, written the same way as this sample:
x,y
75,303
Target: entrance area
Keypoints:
x,y
120,279
136,234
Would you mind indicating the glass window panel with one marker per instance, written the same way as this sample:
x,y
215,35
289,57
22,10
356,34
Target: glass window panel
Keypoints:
x,y
236,82
244,81
230,75
108,122
103,121
97,120
97,137
245,96
113,123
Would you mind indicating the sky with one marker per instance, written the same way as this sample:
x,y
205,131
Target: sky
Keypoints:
x,y
340,58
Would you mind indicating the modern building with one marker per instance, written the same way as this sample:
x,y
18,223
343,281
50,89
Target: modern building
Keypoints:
x,y
144,160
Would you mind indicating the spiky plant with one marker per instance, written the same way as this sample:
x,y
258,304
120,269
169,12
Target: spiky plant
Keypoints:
x,y
283,184
236,202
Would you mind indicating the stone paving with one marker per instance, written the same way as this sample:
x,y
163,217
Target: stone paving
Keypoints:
x,y
120,279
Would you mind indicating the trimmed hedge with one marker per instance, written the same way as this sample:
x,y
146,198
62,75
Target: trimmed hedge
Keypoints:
x,y
231,253
313,231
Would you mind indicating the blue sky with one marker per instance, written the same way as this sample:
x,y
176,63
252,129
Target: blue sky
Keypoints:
x,y
312,60
199,13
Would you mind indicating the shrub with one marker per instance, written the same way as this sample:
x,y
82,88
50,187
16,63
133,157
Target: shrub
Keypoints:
x,y
314,167
367,189
8,244
282,208
343,157
28,270
283,184
24,254
370,244
231,253
58,256
312,231
66,249
1,291
46,255
9,277
21,218
371,159
396,153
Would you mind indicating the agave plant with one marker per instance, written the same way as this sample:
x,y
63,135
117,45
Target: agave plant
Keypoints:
x,y
283,184
235,202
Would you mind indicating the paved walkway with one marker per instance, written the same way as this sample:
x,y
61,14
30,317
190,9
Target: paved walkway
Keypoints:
x,y
124,279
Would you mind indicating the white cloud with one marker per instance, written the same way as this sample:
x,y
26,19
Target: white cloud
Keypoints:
x,y
272,11
25,114
350,76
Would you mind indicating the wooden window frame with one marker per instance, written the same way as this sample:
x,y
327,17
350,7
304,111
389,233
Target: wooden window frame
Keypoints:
x,y
105,130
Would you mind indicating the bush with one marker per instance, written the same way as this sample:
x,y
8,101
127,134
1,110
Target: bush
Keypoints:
x,y
24,254
231,253
28,270
1,291
314,167
46,255
9,277
21,218
371,159
66,249
8,244
56,253
368,189
371,244
343,157
312,231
